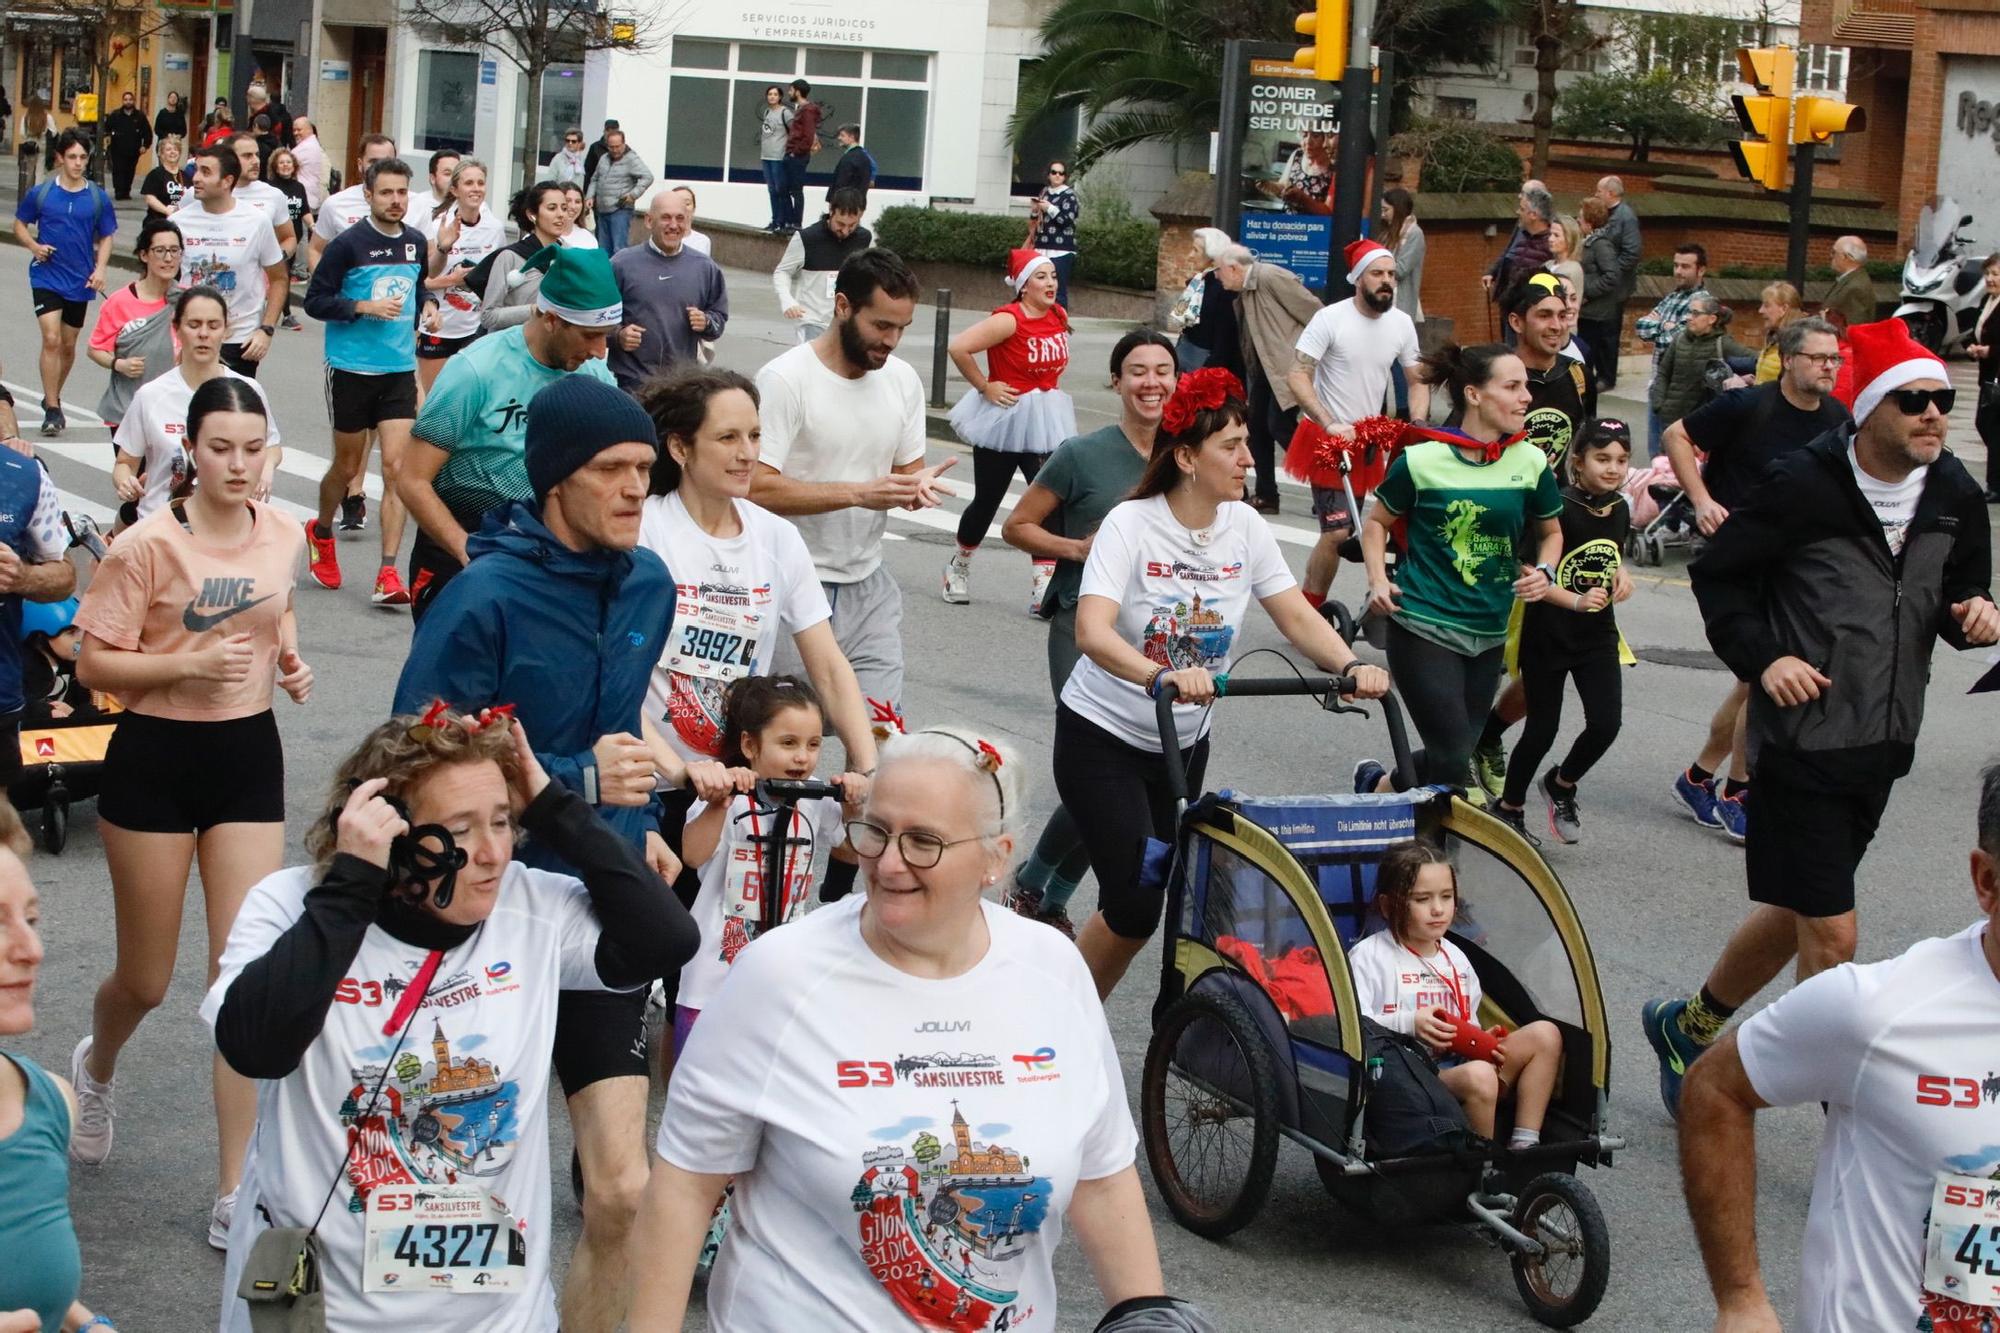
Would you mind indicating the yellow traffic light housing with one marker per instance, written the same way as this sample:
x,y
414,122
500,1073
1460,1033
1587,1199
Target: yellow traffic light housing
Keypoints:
x,y
1327,27
1817,119
1765,115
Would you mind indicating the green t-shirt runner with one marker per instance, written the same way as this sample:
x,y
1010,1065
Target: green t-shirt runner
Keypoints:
x,y
1465,522
1088,474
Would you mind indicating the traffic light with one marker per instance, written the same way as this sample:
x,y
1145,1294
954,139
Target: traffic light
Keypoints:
x,y
1817,119
1765,116
1327,26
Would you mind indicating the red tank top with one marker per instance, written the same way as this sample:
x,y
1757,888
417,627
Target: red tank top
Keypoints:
x,y
1038,353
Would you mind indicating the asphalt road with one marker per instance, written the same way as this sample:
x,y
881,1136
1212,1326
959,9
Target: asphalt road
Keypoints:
x,y
1657,896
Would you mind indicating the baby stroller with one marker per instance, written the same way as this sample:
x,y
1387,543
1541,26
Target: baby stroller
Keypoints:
x,y
1257,1035
1662,515
65,729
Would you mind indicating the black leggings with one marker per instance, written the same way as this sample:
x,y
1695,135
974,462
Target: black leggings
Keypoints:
x,y
1119,797
1447,696
1602,690
992,470
1987,420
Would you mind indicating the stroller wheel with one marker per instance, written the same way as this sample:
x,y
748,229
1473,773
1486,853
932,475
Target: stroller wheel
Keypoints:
x,y
1209,1105
55,823
1337,615
1562,1286
1656,549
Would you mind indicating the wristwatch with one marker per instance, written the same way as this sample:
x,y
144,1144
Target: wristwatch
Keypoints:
x,y
268,330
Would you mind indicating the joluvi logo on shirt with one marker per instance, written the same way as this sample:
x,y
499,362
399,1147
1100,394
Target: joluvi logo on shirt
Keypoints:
x,y
218,600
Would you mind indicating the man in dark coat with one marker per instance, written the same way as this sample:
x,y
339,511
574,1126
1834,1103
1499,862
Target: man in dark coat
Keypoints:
x,y
126,136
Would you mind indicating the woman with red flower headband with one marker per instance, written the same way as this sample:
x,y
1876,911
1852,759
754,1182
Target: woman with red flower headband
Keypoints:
x,y
1167,588
1470,496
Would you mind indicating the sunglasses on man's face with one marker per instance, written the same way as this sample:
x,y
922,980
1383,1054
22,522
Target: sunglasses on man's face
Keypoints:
x,y
1912,402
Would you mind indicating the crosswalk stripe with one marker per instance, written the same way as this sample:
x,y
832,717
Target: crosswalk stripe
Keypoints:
x,y
95,456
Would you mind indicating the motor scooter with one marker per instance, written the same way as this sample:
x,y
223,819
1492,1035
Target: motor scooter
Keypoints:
x,y
1942,288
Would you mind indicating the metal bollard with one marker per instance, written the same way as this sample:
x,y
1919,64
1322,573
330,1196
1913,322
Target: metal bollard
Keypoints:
x,y
939,341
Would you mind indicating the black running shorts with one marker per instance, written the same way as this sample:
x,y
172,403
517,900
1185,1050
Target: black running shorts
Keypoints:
x,y
163,775
47,302
1802,847
358,402
599,1035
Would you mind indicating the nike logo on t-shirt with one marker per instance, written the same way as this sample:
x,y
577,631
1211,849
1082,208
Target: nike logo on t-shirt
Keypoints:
x,y
199,623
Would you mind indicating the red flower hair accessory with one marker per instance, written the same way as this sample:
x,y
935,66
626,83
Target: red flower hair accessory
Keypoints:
x,y
989,758
1201,390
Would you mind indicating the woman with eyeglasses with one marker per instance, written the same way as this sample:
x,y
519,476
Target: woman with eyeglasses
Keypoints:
x,y
164,186
1052,216
133,337
975,1035
396,1002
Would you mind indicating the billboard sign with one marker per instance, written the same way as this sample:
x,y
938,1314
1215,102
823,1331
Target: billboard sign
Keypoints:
x,y
1275,158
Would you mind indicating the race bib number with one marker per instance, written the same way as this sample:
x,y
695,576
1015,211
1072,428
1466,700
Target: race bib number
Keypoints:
x,y
453,1238
743,877
713,642
1962,1249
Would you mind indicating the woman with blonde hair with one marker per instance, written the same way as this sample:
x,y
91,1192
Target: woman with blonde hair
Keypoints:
x,y
1780,305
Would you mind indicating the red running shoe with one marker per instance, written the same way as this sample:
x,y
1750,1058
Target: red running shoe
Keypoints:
x,y
325,563
389,590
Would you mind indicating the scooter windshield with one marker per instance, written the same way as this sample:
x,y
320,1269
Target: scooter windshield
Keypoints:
x,y
1935,225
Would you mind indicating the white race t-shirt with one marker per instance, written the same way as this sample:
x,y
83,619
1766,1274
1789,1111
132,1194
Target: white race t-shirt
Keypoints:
x,y
1894,502
465,1101
732,598
230,251
1354,354
461,304
155,426
1393,985
341,210
579,238
730,906
266,198
1901,1052
822,427
1180,602
904,1149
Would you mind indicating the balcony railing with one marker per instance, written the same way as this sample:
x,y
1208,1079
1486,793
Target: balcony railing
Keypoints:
x,y
1874,22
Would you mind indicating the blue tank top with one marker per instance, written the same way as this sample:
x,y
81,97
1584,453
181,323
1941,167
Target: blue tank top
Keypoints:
x,y
43,1270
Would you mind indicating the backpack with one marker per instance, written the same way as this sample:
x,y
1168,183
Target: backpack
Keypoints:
x,y
1409,1109
40,194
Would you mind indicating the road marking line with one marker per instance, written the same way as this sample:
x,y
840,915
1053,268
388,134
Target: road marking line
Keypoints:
x,y
93,456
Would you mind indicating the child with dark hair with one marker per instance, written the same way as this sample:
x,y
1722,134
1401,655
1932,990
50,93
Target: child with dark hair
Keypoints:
x,y
1411,979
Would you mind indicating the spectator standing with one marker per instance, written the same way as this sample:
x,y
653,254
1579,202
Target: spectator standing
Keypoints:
x,y
126,135
1985,349
774,124
1603,309
1405,239
1779,304
1680,385
163,187
220,126
566,163
596,153
1828,590
806,271
171,119
1206,311
258,99
1623,227
618,181
855,168
1052,216
73,221
1528,248
1565,251
801,142
1851,299
311,159
37,130
674,296
1659,325
1272,310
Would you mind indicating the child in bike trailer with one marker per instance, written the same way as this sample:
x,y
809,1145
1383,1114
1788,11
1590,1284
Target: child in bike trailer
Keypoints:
x,y
1411,979
1573,634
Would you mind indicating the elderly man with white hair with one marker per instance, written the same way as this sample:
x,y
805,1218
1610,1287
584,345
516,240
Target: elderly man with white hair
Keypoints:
x,y
1851,299
1528,248
1273,308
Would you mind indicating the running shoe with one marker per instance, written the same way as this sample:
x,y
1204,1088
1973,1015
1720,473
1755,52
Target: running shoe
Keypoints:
x,y
1564,821
389,589
353,513
1513,819
52,420
1675,1048
958,579
1489,768
324,566
1368,775
219,1218
1044,571
1475,795
1024,901
1698,797
1732,815
90,1141
291,322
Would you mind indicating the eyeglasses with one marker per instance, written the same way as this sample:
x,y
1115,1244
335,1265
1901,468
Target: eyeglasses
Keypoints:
x,y
920,851
1057,171
165,251
1830,360
1914,401
574,138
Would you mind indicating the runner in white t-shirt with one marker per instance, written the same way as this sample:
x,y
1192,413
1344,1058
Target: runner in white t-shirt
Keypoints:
x,y
844,444
151,461
913,1090
1166,591
1903,1231
401,1041
230,246
463,234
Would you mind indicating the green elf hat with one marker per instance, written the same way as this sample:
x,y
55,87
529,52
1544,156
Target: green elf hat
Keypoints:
x,y
577,286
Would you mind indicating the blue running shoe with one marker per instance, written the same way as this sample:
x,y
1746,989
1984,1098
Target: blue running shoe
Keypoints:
x,y
1699,798
1734,816
1368,774
1675,1048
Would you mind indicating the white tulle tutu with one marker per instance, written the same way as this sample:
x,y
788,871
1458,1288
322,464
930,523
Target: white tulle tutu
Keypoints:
x,y
1038,421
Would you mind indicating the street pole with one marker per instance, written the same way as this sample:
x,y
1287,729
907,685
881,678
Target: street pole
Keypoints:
x,y
1802,186
1385,98
1350,169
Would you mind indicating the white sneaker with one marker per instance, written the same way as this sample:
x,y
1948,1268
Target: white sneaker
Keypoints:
x,y
219,1219
1044,571
958,579
90,1141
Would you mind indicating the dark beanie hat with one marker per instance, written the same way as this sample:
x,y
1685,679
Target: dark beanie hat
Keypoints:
x,y
573,421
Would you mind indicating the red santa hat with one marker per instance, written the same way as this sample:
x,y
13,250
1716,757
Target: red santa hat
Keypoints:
x,y
1360,254
1885,358
1021,264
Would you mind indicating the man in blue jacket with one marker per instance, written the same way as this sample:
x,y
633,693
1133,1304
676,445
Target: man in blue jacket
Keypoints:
x,y
560,614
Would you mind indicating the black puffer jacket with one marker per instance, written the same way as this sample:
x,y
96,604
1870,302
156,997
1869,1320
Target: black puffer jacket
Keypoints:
x,y
1802,570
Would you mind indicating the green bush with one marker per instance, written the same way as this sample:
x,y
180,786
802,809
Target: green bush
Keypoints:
x,y
1460,157
1119,252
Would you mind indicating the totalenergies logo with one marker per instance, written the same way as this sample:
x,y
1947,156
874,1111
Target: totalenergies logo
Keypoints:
x,y
1037,1066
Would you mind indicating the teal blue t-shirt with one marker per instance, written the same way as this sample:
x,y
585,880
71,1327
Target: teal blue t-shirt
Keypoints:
x,y
477,412
42,1270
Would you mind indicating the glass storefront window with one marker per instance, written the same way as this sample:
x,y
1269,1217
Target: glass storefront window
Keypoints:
x,y
832,62
767,59
894,133
904,66
562,107
697,126
690,53
447,98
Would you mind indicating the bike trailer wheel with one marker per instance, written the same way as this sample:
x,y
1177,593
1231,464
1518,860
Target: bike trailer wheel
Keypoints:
x,y
1208,1103
55,823
1563,1286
